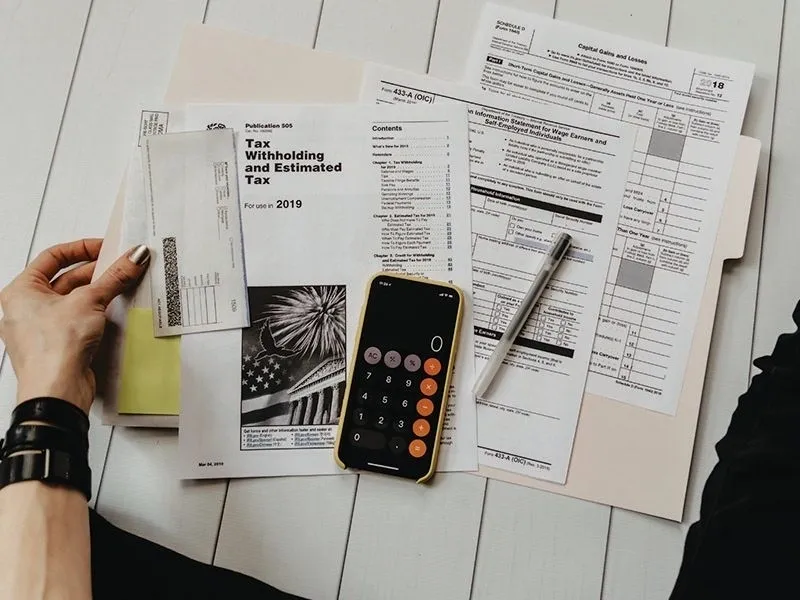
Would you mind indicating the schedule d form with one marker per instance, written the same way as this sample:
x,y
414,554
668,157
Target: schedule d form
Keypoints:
x,y
688,110
533,174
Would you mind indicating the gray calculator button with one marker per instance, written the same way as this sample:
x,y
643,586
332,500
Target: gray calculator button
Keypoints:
x,y
366,438
397,445
359,416
392,359
372,355
412,363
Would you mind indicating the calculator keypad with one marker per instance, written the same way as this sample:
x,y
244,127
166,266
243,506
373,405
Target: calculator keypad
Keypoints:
x,y
396,398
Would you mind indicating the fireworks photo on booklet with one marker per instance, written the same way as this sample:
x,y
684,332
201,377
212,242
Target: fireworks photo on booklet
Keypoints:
x,y
293,356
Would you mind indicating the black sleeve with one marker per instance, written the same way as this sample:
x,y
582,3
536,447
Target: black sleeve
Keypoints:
x,y
127,566
746,543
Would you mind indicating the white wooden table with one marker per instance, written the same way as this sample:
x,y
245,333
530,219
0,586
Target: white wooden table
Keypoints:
x,y
73,74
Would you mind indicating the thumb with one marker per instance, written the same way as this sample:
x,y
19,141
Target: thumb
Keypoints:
x,y
121,275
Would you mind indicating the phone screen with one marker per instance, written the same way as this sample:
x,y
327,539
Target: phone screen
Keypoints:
x,y
399,376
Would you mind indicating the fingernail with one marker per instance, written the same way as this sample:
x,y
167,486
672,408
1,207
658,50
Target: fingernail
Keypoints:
x,y
139,255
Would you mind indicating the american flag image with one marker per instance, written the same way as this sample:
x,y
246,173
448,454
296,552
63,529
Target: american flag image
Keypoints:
x,y
266,369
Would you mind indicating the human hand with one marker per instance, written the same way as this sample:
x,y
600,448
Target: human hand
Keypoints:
x,y
53,327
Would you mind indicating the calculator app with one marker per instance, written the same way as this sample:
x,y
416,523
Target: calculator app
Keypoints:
x,y
397,389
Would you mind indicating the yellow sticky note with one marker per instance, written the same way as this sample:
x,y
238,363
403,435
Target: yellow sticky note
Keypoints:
x,y
150,377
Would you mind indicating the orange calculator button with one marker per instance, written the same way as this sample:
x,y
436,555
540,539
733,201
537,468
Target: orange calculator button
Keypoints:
x,y
432,367
417,448
421,428
428,386
425,407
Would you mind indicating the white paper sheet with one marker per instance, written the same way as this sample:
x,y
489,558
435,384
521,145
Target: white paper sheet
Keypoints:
x,y
386,187
194,231
535,171
688,110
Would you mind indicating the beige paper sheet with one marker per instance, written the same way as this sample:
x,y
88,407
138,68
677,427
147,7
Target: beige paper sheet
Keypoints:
x,y
639,459
623,455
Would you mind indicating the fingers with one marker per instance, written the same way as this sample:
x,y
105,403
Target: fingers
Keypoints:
x,y
125,272
74,278
52,260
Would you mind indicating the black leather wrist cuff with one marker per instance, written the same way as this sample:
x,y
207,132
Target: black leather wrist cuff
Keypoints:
x,y
53,411
49,466
37,437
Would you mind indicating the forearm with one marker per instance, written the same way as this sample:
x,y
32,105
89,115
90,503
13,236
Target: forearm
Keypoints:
x,y
45,543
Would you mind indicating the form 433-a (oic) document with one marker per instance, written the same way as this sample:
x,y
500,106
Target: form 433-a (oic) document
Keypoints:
x,y
330,195
535,171
688,110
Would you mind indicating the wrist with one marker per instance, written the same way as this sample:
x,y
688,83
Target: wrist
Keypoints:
x,y
68,388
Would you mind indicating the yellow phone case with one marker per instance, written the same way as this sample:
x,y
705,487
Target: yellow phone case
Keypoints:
x,y
450,365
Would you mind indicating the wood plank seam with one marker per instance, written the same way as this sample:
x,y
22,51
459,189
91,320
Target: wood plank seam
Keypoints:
x,y
358,477
433,36
319,21
221,514
227,481
767,185
478,543
347,540
105,463
608,535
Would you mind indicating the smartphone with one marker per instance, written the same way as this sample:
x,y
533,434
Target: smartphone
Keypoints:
x,y
396,394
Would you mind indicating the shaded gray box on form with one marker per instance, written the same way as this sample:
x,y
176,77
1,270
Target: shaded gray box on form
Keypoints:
x,y
635,275
666,145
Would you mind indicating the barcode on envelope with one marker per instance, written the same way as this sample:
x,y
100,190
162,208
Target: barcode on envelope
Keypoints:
x,y
172,283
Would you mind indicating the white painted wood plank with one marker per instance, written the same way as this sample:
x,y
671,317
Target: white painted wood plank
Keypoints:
x,y
141,493
532,544
293,22
413,541
455,28
535,544
750,32
400,33
124,61
39,44
643,556
640,19
779,286
394,32
648,21
289,531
